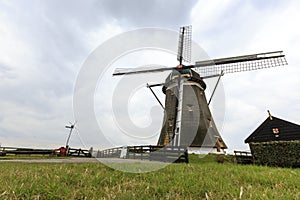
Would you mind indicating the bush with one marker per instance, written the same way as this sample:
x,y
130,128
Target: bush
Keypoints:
x,y
220,159
276,153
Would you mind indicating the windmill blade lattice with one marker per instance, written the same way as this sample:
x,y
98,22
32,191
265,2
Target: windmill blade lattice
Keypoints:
x,y
240,63
143,69
185,44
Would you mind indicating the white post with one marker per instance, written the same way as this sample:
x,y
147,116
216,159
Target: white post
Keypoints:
x,y
177,133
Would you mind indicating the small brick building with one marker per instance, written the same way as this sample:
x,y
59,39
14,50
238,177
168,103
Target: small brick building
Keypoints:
x,y
276,142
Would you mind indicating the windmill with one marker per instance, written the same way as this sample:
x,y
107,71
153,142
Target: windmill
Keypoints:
x,y
187,117
71,127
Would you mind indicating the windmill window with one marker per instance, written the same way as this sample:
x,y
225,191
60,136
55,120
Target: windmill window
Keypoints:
x,y
190,107
210,123
275,131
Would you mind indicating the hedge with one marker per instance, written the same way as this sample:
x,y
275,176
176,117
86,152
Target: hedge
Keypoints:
x,y
276,153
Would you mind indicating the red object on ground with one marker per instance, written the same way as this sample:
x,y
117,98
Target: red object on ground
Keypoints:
x,y
62,151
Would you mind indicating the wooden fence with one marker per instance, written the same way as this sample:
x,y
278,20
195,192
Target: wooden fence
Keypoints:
x,y
149,152
243,157
30,151
23,151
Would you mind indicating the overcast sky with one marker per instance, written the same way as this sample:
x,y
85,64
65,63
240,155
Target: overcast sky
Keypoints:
x,y
43,45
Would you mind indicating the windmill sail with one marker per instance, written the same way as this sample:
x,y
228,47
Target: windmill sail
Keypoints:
x,y
240,63
215,66
144,69
185,44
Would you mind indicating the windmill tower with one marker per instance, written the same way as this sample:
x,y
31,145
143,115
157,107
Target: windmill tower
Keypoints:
x,y
188,121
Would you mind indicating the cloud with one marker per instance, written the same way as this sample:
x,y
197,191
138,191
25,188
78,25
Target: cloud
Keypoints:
x,y
156,13
44,44
39,57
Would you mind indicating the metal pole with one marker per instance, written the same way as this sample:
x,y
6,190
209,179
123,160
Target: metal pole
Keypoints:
x,y
181,45
71,129
215,87
148,86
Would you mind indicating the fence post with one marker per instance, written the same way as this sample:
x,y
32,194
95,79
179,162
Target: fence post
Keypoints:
x,y
186,155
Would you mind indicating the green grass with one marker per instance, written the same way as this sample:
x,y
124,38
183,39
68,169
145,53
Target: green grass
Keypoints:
x,y
201,179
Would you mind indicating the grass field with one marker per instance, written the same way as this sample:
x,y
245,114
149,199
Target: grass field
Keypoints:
x,y
201,179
